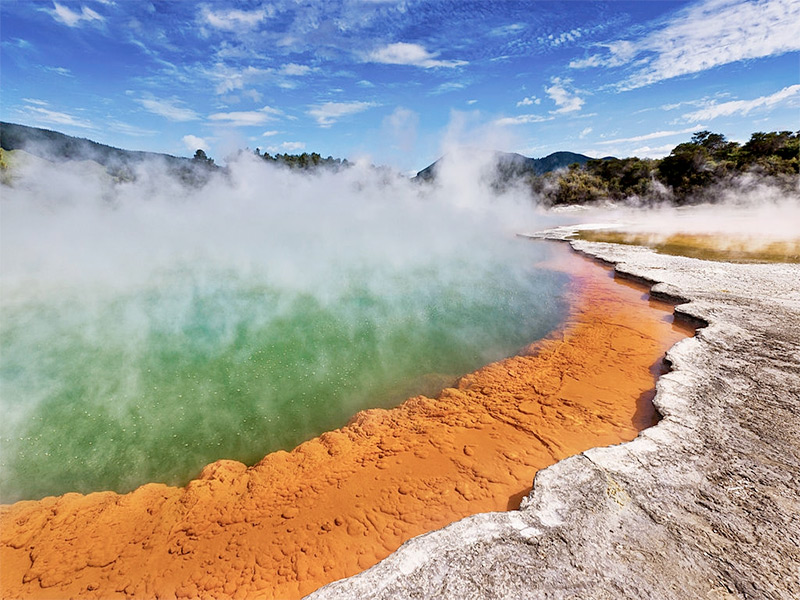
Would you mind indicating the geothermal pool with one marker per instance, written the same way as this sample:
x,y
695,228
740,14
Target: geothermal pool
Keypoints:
x,y
149,329
110,390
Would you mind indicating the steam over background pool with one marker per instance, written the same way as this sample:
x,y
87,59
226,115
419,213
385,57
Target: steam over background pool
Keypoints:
x,y
144,338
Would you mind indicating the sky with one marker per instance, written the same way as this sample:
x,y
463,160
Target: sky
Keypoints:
x,y
398,83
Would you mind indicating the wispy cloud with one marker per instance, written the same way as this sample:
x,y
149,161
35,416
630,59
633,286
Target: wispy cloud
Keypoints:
x,y
59,71
654,135
169,109
327,114
131,130
229,79
17,44
585,132
744,107
448,86
36,111
564,95
270,133
70,18
652,152
562,38
247,118
295,70
522,120
287,147
506,30
704,36
234,20
402,53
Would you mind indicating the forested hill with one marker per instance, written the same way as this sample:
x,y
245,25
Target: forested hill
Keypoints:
x,y
695,171
53,145
511,164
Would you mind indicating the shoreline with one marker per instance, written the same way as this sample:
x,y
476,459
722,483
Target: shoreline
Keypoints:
x,y
702,505
341,502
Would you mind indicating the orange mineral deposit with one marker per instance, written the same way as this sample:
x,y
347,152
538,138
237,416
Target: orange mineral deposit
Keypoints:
x,y
341,502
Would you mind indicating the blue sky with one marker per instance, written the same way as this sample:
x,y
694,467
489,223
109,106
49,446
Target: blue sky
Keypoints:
x,y
398,81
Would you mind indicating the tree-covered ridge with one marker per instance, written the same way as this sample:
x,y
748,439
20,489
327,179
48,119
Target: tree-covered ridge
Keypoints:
x,y
511,166
304,160
689,174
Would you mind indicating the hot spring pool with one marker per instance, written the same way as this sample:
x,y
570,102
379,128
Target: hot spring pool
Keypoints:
x,y
149,328
110,390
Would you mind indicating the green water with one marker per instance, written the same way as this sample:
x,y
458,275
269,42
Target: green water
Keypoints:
x,y
112,388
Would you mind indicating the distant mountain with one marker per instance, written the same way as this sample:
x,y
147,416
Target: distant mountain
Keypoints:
x,y
512,165
53,145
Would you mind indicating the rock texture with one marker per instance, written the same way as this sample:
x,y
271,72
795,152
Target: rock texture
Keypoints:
x,y
704,505
341,502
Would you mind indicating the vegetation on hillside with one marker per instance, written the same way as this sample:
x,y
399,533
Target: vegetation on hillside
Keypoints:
x,y
691,173
303,161
694,172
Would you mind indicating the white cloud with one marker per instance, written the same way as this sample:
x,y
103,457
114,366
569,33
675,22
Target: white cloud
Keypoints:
x,y
230,79
132,130
192,143
619,53
247,118
402,53
45,115
270,133
743,107
448,86
564,95
507,29
675,105
64,72
471,102
562,38
585,132
169,109
287,147
522,120
233,19
70,18
295,70
648,152
35,101
254,95
529,101
704,36
655,135
327,114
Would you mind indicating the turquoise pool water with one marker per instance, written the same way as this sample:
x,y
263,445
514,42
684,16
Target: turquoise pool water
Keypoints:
x,y
111,387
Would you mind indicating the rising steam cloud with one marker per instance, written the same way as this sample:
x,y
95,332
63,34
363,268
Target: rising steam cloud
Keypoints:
x,y
152,327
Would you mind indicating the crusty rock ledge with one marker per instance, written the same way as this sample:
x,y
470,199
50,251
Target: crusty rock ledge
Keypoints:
x,y
704,505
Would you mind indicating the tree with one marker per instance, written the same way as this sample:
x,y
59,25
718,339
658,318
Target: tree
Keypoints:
x,y
773,153
624,177
201,158
577,186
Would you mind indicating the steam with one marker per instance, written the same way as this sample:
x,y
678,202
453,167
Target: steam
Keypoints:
x,y
151,326
747,212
